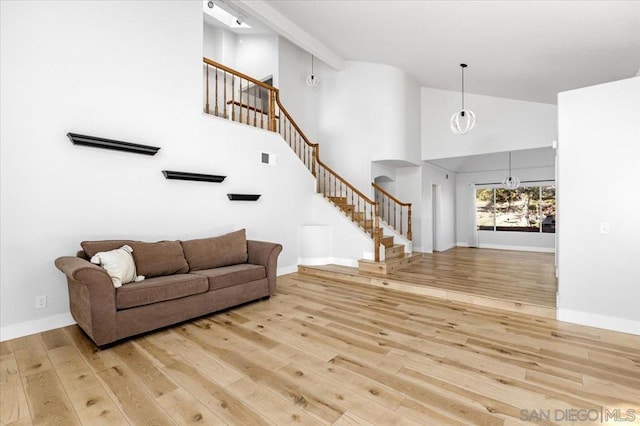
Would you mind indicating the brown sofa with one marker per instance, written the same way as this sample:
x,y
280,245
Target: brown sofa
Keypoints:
x,y
184,280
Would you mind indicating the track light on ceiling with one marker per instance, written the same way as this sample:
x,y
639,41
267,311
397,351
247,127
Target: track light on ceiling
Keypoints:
x,y
210,4
463,120
312,79
511,182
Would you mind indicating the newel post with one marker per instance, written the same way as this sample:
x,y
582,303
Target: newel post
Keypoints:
x,y
376,233
272,110
207,105
409,234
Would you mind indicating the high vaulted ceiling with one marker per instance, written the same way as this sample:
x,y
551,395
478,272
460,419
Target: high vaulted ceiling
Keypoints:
x,y
528,50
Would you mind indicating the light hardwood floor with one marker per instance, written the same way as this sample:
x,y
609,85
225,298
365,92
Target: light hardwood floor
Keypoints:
x,y
325,352
503,279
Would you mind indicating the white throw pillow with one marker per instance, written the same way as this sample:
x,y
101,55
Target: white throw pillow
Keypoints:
x,y
119,265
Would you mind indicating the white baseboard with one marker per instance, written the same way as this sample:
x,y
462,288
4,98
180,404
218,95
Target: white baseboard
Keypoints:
x,y
35,326
518,248
507,247
315,261
447,247
284,270
600,321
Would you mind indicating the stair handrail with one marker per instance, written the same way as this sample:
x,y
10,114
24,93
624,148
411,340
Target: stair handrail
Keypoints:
x,y
281,123
237,73
393,224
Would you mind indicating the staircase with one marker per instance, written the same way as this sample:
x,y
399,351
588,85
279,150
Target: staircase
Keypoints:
x,y
244,99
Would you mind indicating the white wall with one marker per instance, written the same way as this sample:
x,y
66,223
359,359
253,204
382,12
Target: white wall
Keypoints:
x,y
329,226
365,116
598,154
302,101
528,241
409,190
257,56
131,72
445,182
502,125
214,46
253,55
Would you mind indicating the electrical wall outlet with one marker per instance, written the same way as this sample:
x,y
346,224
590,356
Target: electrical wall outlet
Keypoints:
x,y
41,302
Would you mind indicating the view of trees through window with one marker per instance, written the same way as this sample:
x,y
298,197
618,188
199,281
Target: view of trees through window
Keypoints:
x,y
525,209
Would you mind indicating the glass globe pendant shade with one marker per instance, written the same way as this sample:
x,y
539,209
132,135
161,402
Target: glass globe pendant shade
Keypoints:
x,y
312,80
462,121
511,182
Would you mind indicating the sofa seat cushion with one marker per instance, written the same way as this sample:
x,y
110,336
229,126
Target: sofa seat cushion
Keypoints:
x,y
227,276
160,289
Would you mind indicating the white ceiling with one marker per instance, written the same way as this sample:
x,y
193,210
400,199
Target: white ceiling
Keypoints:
x,y
528,50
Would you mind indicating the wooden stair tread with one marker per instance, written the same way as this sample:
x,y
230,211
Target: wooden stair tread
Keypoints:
x,y
389,265
386,241
394,252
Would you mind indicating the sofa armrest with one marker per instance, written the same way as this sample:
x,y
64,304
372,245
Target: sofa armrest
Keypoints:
x,y
92,297
81,270
265,254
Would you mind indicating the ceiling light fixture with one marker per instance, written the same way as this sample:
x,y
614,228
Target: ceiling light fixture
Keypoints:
x,y
225,17
312,80
510,182
463,120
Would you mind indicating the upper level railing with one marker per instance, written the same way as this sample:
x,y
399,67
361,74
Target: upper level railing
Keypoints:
x,y
393,211
241,98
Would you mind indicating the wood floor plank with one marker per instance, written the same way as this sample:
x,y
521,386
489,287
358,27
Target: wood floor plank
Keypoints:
x,y
184,409
143,369
47,400
354,402
310,400
31,356
222,403
90,400
137,405
13,401
271,405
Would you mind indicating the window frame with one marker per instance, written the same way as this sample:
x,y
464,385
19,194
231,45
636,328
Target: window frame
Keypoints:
x,y
538,184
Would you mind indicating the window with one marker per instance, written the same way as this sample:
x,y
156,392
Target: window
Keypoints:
x,y
525,209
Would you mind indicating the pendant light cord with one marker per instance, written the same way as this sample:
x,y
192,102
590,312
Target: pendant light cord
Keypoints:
x,y
462,86
509,164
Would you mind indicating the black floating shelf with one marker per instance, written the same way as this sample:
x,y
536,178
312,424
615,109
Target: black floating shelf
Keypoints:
x,y
96,142
243,197
192,176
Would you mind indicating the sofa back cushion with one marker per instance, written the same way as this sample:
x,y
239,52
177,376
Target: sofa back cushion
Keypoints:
x,y
151,259
91,248
225,250
158,259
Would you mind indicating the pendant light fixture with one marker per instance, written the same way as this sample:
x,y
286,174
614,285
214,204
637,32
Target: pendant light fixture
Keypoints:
x,y
312,79
510,182
463,120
